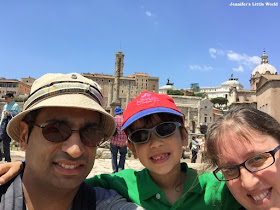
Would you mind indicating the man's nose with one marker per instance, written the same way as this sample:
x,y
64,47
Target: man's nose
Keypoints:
x,y
73,145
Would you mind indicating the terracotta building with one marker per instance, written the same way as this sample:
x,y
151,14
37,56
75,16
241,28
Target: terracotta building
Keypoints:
x,y
18,88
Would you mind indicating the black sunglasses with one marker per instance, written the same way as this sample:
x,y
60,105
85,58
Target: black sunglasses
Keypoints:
x,y
162,130
58,132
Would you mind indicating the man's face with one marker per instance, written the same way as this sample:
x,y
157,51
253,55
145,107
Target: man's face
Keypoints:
x,y
62,165
8,99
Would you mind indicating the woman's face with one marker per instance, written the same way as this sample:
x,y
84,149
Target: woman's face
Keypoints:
x,y
257,190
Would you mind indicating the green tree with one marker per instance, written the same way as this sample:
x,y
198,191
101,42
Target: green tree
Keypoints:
x,y
174,92
219,102
202,95
20,98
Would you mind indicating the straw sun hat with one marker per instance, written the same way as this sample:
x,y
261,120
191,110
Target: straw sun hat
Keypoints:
x,y
64,90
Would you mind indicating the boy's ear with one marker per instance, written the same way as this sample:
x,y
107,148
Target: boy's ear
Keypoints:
x,y
23,136
184,135
131,146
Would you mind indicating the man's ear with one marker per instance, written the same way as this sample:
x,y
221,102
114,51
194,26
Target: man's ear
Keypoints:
x,y
184,136
23,135
131,146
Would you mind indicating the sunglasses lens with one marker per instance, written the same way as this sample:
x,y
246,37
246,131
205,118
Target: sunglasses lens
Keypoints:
x,y
166,129
140,136
56,132
92,137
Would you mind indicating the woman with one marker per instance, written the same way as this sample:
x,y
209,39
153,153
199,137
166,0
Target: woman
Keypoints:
x,y
244,145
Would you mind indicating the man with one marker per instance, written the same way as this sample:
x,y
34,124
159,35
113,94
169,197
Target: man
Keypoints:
x,y
60,127
10,110
194,148
118,142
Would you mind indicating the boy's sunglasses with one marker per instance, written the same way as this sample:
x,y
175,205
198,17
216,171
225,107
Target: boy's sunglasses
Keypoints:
x,y
58,132
162,130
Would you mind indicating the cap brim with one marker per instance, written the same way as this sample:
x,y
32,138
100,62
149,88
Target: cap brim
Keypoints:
x,y
146,112
118,112
79,101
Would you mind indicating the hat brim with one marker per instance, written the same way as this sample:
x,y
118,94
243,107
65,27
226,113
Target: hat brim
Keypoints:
x,y
119,112
79,101
5,96
146,112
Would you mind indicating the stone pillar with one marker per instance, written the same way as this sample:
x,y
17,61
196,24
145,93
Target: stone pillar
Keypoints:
x,y
128,95
234,95
188,117
110,91
198,117
118,73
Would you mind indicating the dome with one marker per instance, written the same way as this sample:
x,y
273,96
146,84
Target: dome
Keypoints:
x,y
233,82
167,87
264,67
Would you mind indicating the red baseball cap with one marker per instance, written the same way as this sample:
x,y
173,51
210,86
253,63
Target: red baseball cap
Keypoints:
x,y
148,103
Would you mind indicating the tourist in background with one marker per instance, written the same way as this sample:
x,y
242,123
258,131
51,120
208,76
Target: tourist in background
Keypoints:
x,y
118,142
10,110
195,146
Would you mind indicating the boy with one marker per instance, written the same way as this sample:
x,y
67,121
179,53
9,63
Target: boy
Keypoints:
x,y
156,133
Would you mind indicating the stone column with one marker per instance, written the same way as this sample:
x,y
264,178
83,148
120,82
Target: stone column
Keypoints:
x,y
128,95
110,91
198,117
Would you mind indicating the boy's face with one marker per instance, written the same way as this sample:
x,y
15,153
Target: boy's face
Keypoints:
x,y
159,155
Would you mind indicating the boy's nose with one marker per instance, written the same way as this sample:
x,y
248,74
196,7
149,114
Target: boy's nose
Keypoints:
x,y
155,141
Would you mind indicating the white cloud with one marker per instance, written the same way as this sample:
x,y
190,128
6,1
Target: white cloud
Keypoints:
x,y
243,59
148,13
255,59
214,52
238,69
234,56
200,68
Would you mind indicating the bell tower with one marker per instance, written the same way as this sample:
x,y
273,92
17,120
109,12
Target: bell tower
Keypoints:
x,y
118,73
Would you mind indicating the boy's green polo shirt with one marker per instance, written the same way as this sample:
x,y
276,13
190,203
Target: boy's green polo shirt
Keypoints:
x,y
201,192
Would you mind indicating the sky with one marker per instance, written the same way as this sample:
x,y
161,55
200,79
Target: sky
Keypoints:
x,y
186,41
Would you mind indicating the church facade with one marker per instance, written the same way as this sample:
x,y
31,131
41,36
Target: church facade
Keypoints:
x,y
264,93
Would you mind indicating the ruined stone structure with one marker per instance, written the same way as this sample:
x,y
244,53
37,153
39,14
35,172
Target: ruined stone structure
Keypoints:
x,y
197,111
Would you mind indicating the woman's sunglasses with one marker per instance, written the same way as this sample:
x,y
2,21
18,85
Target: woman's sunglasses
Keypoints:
x,y
162,130
58,132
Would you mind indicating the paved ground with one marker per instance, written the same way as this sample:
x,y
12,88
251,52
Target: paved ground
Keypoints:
x,y
102,166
